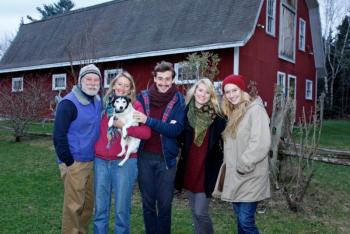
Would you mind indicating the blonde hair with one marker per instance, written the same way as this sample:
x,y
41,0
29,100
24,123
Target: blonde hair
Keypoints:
x,y
213,97
234,113
125,74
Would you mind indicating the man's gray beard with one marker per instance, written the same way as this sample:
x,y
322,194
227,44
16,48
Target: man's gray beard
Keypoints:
x,y
89,92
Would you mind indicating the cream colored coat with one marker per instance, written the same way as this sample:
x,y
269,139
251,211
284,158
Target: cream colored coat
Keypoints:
x,y
247,154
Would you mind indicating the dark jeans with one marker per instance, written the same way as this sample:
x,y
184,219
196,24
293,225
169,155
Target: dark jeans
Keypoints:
x,y
245,213
157,188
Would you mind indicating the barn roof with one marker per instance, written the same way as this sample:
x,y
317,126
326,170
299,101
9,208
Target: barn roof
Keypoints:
x,y
125,29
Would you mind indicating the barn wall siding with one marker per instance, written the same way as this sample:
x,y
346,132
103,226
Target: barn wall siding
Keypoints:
x,y
259,61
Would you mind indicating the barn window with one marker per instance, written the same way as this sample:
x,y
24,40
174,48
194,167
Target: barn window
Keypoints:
x,y
270,17
302,30
185,73
291,3
110,75
308,89
59,81
286,48
292,87
281,81
17,84
218,87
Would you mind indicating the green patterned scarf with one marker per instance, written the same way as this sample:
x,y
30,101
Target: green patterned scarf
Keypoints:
x,y
200,120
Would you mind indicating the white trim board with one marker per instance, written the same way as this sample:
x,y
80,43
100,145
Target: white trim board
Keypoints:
x,y
129,56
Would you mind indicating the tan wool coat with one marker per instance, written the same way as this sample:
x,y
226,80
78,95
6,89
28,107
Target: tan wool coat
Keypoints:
x,y
246,159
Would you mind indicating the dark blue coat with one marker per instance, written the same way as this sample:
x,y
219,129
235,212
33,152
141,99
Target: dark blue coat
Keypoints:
x,y
169,130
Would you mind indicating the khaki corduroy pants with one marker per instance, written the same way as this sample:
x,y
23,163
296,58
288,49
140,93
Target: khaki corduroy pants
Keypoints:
x,y
78,197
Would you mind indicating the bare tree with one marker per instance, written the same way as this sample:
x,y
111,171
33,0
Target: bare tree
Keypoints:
x,y
21,108
333,12
200,65
291,153
82,53
5,43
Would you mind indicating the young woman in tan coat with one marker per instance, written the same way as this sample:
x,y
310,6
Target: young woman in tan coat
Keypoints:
x,y
244,178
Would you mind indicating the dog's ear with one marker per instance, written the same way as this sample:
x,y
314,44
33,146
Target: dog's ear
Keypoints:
x,y
128,99
117,96
111,98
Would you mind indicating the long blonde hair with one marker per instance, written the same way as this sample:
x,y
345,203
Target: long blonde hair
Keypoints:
x,y
213,97
234,113
125,74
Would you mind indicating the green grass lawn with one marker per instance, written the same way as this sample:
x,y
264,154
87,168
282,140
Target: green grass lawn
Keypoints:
x,y
36,127
31,196
336,134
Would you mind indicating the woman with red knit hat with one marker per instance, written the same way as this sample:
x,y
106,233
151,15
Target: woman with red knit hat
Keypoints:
x,y
243,178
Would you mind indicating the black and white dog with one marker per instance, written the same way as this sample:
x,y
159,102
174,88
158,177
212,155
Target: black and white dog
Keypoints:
x,y
123,109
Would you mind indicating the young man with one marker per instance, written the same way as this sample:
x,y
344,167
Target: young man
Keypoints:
x,y
164,106
76,130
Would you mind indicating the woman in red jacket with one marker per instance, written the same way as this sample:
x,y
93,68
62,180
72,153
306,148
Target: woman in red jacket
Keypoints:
x,y
108,175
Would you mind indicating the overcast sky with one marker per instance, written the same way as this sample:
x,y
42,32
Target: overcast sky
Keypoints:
x,y
11,12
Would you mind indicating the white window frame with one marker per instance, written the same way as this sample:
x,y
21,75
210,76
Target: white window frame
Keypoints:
x,y
218,87
308,95
14,80
57,76
279,74
290,77
281,42
271,16
177,67
302,34
107,73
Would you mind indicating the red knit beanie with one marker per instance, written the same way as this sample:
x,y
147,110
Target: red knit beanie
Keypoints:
x,y
234,79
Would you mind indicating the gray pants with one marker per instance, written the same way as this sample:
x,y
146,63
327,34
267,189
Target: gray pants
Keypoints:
x,y
199,204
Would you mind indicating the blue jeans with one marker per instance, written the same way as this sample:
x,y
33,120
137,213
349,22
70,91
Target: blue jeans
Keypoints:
x,y
245,213
156,184
199,203
121,180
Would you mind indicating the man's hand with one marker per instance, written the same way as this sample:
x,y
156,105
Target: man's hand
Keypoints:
x,y
139,117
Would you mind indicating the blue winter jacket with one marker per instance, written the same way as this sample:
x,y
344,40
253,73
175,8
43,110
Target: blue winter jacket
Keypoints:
x,y
168,130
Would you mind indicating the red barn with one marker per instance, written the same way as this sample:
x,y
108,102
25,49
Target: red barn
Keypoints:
x,y
268,41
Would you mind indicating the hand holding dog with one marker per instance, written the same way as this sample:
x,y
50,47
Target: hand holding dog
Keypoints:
x,y
139,117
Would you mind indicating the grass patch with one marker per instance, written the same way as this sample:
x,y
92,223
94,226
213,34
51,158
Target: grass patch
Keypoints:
x,y
31,197
336,134
34,127
43,127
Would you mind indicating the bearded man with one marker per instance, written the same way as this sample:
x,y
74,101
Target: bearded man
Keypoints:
x,y
76,129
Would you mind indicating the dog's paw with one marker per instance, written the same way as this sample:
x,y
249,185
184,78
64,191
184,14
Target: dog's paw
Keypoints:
x,y
110,122
124,133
